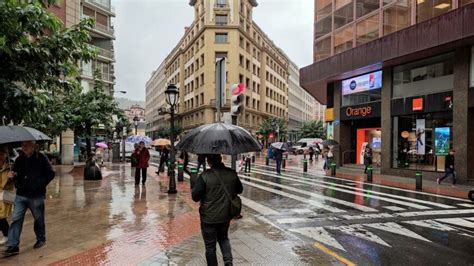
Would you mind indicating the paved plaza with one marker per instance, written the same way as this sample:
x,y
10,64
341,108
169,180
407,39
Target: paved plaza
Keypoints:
x,y
291,219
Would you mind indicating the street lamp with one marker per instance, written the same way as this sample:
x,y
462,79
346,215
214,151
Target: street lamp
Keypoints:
x,y
135,122
172,96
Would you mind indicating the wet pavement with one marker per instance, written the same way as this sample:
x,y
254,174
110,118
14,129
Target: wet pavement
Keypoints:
x,y
289,219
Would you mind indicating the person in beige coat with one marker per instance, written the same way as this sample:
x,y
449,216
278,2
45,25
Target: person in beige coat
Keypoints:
x,y
6,208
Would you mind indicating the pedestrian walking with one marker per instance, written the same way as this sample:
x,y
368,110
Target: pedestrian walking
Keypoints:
x,y
164,156
32,173
184,156
367,158
311,153
325,157
211,189
201,161
100,155
133,161
278,155
6,208
449,168
143,156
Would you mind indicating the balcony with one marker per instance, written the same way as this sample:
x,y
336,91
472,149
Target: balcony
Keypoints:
x,y
107,30
107,54
103,5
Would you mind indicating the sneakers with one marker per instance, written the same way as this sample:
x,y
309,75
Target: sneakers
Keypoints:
x,y
39,244
3,240
11,251
438,181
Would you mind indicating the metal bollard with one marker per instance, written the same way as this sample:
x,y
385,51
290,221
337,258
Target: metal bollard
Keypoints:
x,y
470,195
305,165
180,172
370,172
333,169
267,160
419,180
194,176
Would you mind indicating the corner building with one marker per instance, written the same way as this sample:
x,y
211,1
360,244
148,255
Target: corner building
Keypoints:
x,y
397,76
224,28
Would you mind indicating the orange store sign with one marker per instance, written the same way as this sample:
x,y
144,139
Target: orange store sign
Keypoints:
x,y
358,111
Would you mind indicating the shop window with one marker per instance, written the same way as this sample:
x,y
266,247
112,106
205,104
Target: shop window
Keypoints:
x,y
396,17
322,27
367,30
323,49
343,16
426,9
343,40
323,8
428,76
364,7
421,142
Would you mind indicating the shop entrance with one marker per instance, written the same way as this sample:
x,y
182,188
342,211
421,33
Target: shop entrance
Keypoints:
x,y
371,137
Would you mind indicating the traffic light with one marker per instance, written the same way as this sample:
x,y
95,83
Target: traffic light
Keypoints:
x,y
237,100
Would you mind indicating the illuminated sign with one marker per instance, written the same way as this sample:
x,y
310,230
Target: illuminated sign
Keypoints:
x,y
371,81
358,111
417,104
362,111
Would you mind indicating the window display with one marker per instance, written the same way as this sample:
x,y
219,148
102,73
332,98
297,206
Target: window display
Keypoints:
x,y
420,141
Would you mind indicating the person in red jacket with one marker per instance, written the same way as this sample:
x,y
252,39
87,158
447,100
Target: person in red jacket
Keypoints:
x,y
143,156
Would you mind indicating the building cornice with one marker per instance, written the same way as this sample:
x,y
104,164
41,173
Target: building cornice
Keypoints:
x,y
252,2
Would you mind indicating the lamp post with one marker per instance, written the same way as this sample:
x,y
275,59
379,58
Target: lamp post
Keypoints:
x,y
172,96
135,122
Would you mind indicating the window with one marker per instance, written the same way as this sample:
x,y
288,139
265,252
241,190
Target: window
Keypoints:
x,y
220,55
221,3
426,9
364,7
322,27
241,60
429,76
367,30
396,17
417,143
323,49
343,16
221,37
323,8
343,40
221,19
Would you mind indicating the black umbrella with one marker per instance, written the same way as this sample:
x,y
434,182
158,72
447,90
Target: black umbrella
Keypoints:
x,y
10,134
330,142
218,138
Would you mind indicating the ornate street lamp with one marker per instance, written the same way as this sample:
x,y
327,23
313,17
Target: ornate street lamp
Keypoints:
x,y
135,122
172,96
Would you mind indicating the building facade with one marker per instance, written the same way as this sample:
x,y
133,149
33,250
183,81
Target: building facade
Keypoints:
x,y
397,76
155,99
302,106
224,28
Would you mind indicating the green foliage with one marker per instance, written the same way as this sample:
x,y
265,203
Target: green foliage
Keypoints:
x,y
164,131
39,63
312,129
270,125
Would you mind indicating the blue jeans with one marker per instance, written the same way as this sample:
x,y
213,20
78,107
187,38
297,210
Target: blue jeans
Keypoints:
x,y
36,206
278,165
449,171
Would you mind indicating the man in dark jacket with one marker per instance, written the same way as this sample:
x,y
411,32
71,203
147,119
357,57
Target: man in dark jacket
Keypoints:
x,y
184,156
449,167
163,160
32,173
214,207
278,155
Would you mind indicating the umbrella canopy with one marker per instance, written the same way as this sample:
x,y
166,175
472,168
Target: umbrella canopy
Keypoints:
x,y
280,145
218,138
10,134
101,145
330,142
138,139
161,142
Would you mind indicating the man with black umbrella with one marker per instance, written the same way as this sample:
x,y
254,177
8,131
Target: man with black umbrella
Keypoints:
x,y
278,155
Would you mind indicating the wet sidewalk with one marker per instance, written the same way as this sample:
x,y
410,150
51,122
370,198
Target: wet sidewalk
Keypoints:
x,y
295,163
114,222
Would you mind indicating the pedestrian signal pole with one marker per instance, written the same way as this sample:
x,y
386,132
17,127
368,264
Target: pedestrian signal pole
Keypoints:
x,y
236,109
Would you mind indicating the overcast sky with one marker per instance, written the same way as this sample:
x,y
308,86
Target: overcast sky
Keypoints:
x,y
147,30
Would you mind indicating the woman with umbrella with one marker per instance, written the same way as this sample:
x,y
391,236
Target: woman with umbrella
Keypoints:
x,y
6,208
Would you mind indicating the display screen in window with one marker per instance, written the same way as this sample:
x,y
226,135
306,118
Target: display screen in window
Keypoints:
x,y
442,136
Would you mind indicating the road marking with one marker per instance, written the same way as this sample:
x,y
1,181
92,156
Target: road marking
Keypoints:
x,y
404,203
444,206
291,196
394,208
367,216
319,234
374,185
292,220
334,254
396,229
264,210
435,212
314,195
431,225
457,221
358,231
466,205
301,211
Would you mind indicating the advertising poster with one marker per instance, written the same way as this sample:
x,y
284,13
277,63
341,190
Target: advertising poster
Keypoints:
x,y
329,131
420,137
362,83
442,135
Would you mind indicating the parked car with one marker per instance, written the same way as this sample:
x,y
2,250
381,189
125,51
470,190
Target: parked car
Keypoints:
x,y
302,146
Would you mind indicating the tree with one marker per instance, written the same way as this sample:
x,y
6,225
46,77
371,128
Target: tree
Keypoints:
x,y
39,62
312,129
270,125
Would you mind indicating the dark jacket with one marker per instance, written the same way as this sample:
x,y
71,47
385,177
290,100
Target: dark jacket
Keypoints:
x,y
278,154
33,175
449,161
143,156
215,205
367,157
185,157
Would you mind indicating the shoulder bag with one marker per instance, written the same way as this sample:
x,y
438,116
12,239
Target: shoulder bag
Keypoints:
x,y
235,201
